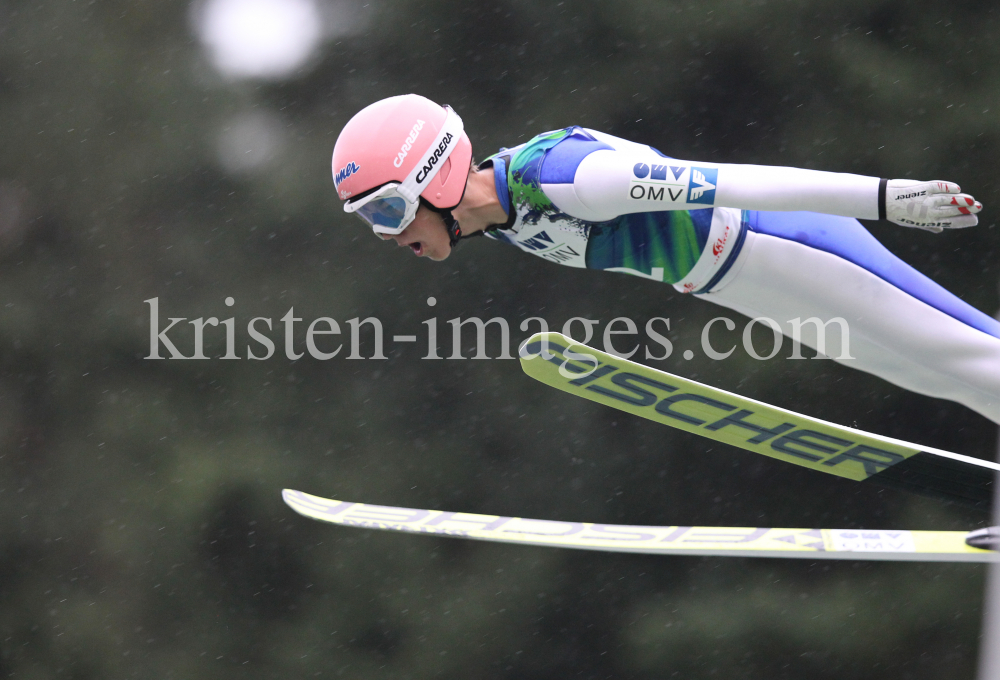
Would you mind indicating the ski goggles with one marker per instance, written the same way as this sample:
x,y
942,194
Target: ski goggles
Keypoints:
x,y
386,210
391,208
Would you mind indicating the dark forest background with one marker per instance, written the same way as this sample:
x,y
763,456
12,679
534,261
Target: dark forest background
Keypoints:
x,y
142,532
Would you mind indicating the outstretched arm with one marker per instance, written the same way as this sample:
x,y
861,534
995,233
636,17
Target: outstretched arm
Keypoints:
x,y
634,178
933,206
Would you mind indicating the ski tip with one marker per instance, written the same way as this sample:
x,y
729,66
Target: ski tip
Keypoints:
x,y
984,539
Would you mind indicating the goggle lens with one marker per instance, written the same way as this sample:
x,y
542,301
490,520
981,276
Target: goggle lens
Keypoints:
x,y
384,212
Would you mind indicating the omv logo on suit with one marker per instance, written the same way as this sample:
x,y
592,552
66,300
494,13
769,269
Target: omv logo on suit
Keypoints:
x,y
701,185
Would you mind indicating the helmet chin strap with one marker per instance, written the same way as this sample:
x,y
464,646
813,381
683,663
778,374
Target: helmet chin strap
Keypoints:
x,y
454,230
450,224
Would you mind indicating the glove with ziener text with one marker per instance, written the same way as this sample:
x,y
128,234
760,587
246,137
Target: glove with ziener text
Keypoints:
x,y
933,206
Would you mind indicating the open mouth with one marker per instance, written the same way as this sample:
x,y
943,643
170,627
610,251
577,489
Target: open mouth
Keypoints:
x,y
417,248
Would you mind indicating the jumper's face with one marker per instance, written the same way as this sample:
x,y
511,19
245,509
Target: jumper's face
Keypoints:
x,y
426,236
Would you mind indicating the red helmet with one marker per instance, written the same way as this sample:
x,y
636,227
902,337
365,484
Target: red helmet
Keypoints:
x,y
396,151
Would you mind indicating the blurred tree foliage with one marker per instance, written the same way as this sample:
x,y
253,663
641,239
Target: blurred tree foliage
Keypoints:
x,y
142,533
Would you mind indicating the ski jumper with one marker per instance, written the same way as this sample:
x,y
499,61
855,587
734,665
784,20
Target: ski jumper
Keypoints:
x,y
583,198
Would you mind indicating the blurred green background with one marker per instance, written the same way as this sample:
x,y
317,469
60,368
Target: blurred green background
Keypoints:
x,y
142,532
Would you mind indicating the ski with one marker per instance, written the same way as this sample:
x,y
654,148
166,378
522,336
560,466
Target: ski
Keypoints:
x,y
561,362
811,544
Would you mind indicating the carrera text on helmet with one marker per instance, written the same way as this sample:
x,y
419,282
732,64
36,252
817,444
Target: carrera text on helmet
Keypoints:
x,y
433,159
408,144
